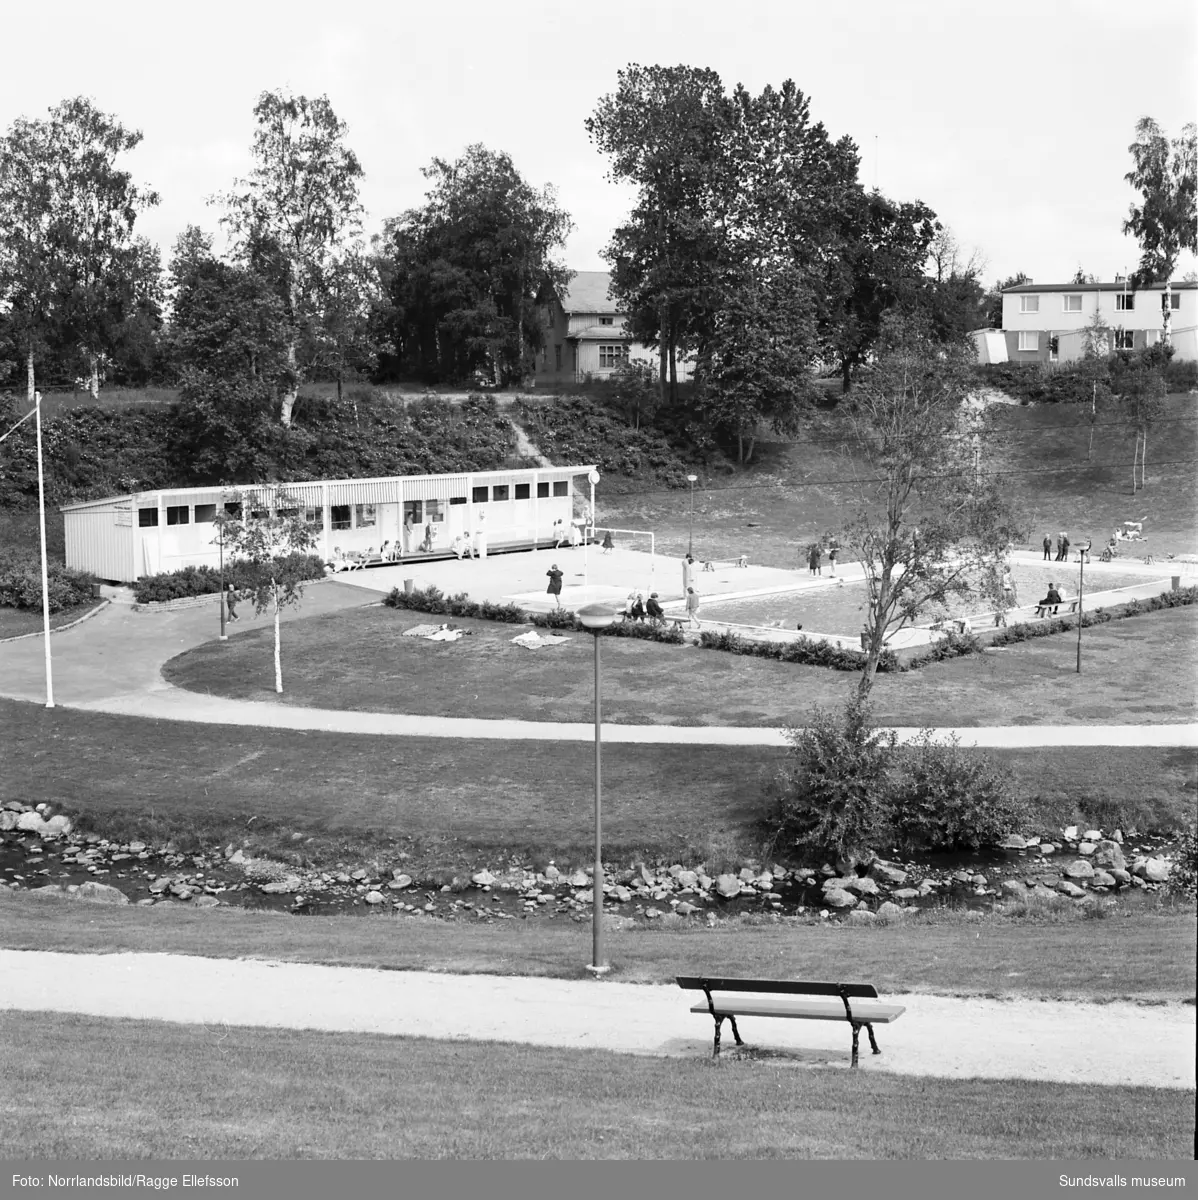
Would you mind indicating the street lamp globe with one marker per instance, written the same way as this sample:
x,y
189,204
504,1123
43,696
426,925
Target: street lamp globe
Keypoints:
x,y
596,617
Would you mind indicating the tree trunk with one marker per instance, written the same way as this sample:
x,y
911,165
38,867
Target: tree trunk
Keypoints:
x,y
1144,461
752,445
29,379
1135,461
1167,314
291,394
845,371
278,654
93,379
661,340
740,445
673,369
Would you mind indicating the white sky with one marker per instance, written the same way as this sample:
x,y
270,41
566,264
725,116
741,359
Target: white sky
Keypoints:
x,y
1012,121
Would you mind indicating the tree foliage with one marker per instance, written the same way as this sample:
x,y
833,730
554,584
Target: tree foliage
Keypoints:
x,y
463,274
294,216
928,523
1166,221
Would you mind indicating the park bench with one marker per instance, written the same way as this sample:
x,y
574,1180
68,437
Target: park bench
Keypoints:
x,y
1043,609
855,1003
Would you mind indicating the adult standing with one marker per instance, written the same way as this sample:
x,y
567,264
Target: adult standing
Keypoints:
x,y
1047,548
409,531
555,584
832,552
692,607
1064,547
559,533
231,602
480,535
575,536
688,564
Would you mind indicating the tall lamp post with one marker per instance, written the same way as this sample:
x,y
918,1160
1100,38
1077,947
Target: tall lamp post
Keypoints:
x,y
41,517
589,531
224,637
595,619
1083,554
690,541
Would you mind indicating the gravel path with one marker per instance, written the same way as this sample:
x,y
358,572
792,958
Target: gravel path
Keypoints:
x,y
1114,1044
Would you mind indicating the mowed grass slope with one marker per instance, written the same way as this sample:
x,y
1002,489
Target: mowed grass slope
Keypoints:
x,y
1135,671
235,1094
129,776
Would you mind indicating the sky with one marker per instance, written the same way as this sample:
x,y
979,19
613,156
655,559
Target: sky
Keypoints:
x,y
1012,122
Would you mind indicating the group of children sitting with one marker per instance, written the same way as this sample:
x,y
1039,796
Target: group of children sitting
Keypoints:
x,y
637,608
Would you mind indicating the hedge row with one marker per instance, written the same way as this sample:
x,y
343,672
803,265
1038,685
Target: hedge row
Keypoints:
x,y
21,584
203,581
807,651
1023,632
432,600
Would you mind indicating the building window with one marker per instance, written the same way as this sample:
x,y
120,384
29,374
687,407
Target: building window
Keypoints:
x,y
313,516
612,356
561,487
205,514
1125,301
456,500
1073,303
1029,304
542,491
1125,339
147,518
432,511
178,514
1152,337
557,358
233,510
1029,339
500,492
522,491
364,516
479,495
413,510
1174,301
605,320
341,516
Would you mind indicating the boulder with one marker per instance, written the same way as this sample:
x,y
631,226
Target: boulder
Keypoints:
x,y
1079,869
552,874
1120,875
1071,833
30,822
1070,889
1013,887
839,898
885,873
401,880
58,826
1108,853
1087,848
907,894
728,886
101,893
279,886
1047,848
374,897
579,879
483,879
8,820
1154,870
1093,835
687,879
200,902
862,885
747,874
1013,841
1102,879
889,912
622,894
862,916
1117,836
685,908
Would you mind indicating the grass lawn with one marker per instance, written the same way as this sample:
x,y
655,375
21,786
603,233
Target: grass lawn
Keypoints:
x,y
14,622
1137,670
87,1088
1143,951
461,800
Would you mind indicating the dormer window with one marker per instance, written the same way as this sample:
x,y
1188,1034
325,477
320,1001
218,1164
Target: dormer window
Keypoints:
x,y
606,320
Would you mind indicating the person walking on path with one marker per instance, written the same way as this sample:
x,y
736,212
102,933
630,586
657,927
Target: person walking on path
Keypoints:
x,y
832,552
559,533
555,584
608,544
1064,547
231,602
692,607
1047,548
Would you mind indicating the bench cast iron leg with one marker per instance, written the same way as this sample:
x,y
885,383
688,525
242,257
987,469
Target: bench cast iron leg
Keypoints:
x,y
735,1031
870,1030
856,1035
718,1022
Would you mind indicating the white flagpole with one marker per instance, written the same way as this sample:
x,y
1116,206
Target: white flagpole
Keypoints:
x,y
41,510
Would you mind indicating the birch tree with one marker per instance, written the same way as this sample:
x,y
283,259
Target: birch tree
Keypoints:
x,y
270,549
1166,223
300,204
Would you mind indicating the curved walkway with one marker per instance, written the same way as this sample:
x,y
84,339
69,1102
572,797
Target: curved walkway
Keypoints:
x,y
113,664
991,1039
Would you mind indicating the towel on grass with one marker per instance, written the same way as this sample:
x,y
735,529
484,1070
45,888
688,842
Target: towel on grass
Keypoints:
x,y
534,641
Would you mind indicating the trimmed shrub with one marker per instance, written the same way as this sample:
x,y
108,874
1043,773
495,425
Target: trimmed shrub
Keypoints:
x,y
671,635
807,651
21,584
433,600
204,581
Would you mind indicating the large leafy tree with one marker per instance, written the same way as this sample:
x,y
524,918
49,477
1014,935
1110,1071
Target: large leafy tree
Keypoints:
x,y
993,298
928,525
462,274
1166,222
72,273
953,298
297,211
665,132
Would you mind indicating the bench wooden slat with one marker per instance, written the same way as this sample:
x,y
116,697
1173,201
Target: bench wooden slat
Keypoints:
x,y
860,991
810,1010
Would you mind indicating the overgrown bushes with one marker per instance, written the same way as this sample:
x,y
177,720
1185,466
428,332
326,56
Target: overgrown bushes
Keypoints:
x,y
21,584
433,600
850,790
204,581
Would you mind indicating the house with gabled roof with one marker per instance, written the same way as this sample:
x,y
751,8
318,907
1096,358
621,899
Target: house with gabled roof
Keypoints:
x,y
586,334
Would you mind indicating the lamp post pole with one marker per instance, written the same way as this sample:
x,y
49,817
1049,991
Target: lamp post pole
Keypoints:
x,y
41,516
690,541
596,618
224,637
1081,594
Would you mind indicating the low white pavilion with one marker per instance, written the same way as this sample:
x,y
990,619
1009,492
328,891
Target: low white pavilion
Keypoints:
x,y
123,538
